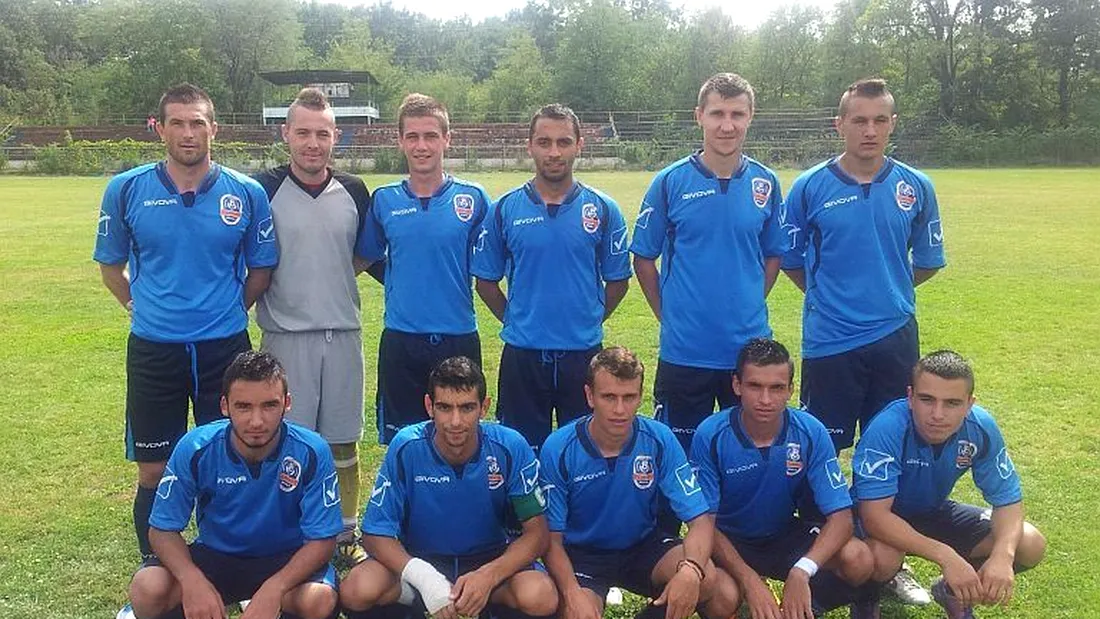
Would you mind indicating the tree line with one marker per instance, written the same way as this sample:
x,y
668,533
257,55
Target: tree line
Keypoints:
x,y
985,64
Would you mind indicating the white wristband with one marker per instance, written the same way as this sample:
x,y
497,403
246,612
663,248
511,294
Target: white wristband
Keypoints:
x,y
434,588
807,565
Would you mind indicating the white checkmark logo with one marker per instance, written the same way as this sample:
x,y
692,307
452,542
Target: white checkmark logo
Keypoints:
x,y
874,464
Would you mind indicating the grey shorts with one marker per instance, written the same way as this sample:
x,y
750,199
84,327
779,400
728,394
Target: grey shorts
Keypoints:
x,y
325,370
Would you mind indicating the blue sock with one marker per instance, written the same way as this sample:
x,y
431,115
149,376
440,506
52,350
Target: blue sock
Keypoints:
x,y
143,506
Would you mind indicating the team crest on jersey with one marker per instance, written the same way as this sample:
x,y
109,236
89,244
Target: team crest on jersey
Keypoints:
x,y
230,209
761,191
905,195
643,472
590,218
289,472
965,457
464,207
794,459
496,480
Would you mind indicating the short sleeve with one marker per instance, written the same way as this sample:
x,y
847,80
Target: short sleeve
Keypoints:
x,y
793,224
827,481
706,467
615,246
370,243
385,508
554,487
320,502
112,241
774,241
260,249
994,473
489,251
876,462
926,237
524,486
678,480
176,491
651,227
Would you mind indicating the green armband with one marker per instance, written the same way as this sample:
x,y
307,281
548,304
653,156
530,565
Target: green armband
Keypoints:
x,y
529,505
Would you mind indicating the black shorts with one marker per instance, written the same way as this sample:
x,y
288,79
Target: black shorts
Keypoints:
x,y
855,385
533,384
960,526
238,578
404,362
632,568
774,556
684,396
160,381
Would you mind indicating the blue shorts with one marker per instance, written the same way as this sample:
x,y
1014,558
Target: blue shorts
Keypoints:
x,y
404,362
534,384
775,555
855,385
684,396
960,526
631,568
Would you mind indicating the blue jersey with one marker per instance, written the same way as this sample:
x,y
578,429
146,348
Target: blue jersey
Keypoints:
x,y
556,259
597,502
858,245
712,236
892,460
250,509
187,253
428,242
755,490
435,508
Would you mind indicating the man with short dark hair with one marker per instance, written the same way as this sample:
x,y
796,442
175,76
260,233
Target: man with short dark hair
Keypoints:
x,y
604,473
563,247
906,465
424,227
200,245
266,500
715,212
310,314
436,524
755,461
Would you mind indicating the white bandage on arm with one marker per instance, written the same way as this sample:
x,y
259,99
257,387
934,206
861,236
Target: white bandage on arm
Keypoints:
x,y
434,588
807,565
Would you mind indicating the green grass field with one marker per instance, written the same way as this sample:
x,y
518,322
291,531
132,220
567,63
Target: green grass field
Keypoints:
x,y
1020,297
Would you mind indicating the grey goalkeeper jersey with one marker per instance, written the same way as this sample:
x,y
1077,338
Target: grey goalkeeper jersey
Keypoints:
x,y
313,288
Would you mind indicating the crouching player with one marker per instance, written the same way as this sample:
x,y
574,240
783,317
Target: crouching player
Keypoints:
x,y
603,475
906,465
436,523
267,507
755,461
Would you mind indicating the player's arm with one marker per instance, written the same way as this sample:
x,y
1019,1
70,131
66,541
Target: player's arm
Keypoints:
x,y
645,269
997,574
471,591
114,278
836,532
614,292
200,599
884,525
308,559
798,277
771,273
255,284
434,588
576,604
922,275
494,298
758,596
376,269
681,593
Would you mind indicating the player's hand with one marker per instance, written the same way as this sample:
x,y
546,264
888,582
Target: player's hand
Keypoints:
x,y
796,596
577,604
997,578
760,599
471,591
201,600
680,595
963,580
130,307
447,612
266,603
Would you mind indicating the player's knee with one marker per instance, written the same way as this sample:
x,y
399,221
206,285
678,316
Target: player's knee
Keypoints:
x,y
314,601
857,564
1032,547
151,590
536,595
149,473
725,596
363,586
708,585
345,454
887,560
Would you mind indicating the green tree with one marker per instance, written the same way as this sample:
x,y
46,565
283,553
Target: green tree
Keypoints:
x,y
520,82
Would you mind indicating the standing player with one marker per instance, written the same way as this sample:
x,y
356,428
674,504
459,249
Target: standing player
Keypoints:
x,y
604,473
755,462
436,521
200,245
426,224
865,231
557,241
310,313
266,501
907,463
715,212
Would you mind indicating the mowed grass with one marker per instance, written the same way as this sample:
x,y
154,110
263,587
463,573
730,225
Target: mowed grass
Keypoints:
x,y
1020,297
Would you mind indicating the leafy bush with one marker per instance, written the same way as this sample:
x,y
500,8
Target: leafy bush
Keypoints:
x,y
390,161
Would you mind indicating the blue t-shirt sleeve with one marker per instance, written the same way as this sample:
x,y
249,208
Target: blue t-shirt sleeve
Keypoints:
x,y
678,480
112,241
260,249
830,488
651,227
176,491
370,243
793,224
385,508
320,503
995,474
615,246
706,468
525,474
876,462
774,241
554,487
489,252
926,237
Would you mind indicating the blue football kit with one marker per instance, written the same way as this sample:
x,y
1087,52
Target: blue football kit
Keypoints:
x,y
755,490
438,510
188,253
245,509
712,236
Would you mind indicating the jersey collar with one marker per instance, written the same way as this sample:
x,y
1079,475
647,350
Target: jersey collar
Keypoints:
x,y
586,439
231,450
844,177
314,191
429,432
696,159
533,195
743,438
448,180
208,181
